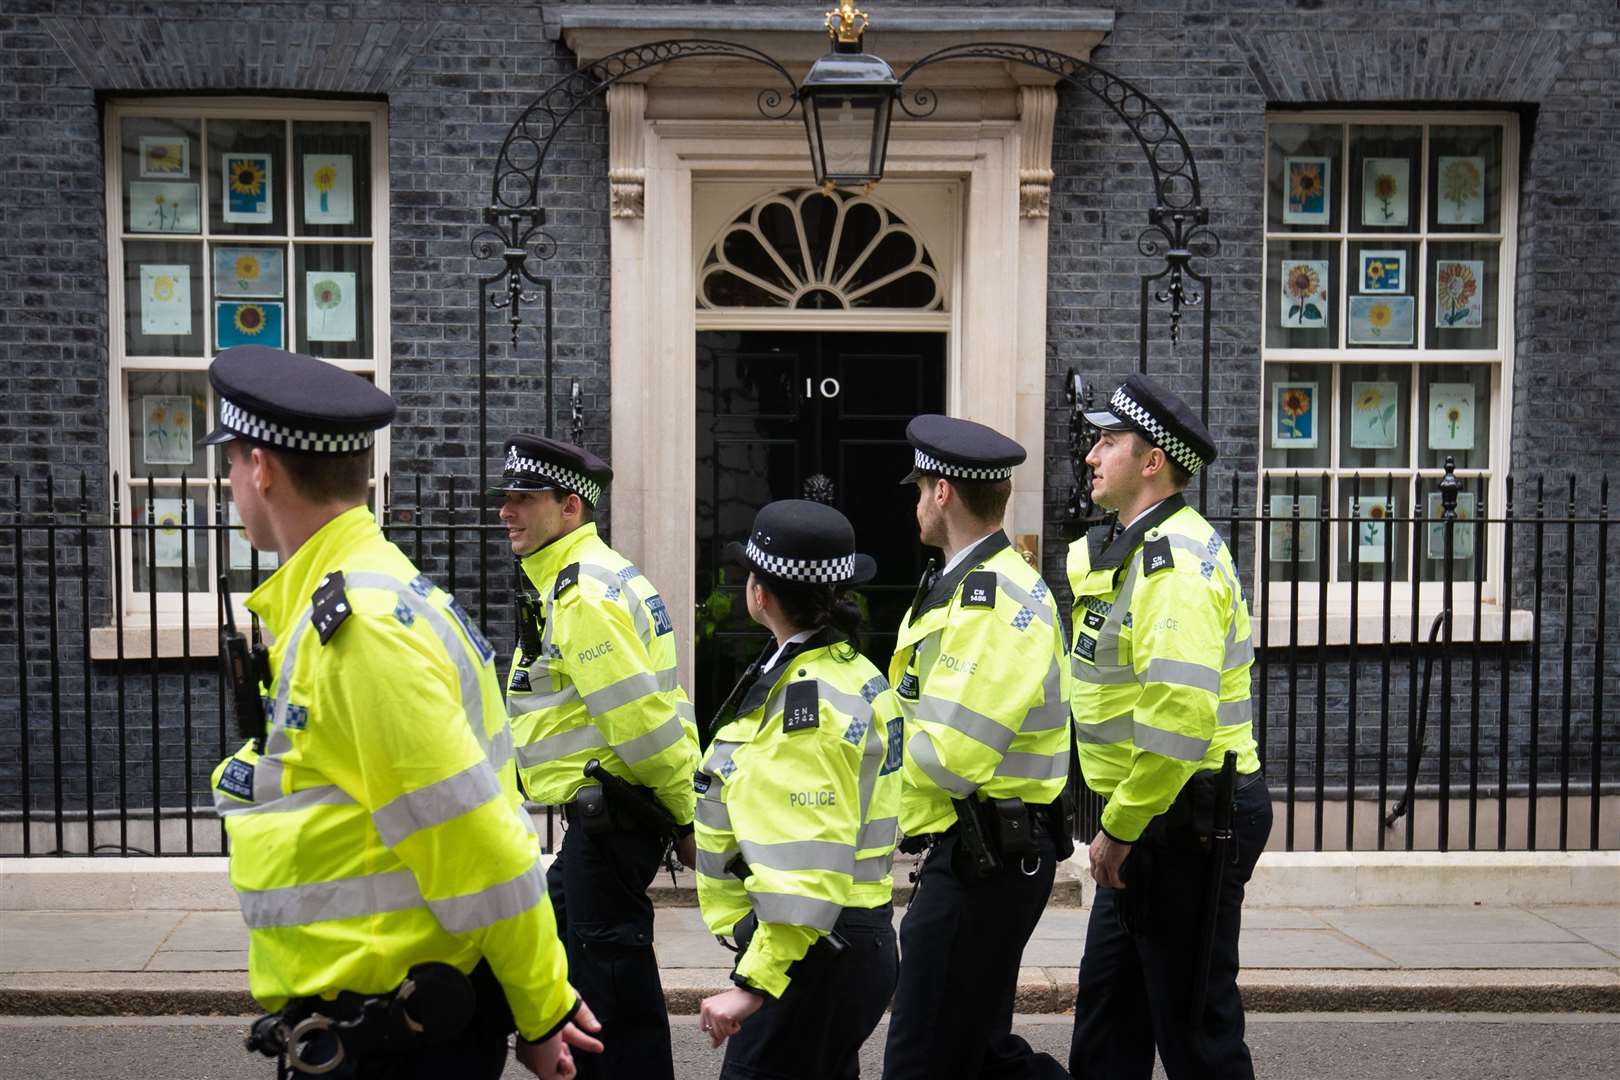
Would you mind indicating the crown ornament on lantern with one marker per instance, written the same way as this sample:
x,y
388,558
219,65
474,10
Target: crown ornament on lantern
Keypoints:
x,y
846,24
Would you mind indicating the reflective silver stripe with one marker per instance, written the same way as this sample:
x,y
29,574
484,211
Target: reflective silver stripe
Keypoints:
x,y
1102,676
656,741
1169,744
1238,653
455,645
795,910
872,757
1108,650
800,855
500,748
875,868
720,752
686,711
628,689
881,832
268,770
1014,590
519,704
1188,544
713,863
463,914
1229,713
1054,711
321,901
669,679
1182,673
558,746
975,725
1116,729
1035,766
436,803
633,603
302,799
712,814
921,748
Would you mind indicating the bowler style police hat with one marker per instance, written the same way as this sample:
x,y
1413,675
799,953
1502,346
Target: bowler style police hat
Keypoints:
x,y
294,402
959,450
538,463
802,543
1143,406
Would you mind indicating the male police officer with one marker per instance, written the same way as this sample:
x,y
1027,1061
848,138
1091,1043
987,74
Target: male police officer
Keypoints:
x,y
1161,664
376,830
594,677
979,668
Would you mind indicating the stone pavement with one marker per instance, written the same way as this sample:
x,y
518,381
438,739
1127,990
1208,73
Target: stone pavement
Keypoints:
x,y
1471,958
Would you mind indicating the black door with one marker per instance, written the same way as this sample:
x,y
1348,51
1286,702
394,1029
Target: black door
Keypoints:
x,y
792,415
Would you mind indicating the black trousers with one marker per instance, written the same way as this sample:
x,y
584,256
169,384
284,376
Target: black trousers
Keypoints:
x,y
960,947
1136,986
815,1029
598,886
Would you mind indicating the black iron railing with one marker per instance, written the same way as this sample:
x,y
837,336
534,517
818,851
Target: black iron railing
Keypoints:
x,y
1469,712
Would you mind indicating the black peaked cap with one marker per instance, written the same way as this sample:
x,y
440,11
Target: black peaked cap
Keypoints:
x,y
294,402
540,463
960,450
1163,419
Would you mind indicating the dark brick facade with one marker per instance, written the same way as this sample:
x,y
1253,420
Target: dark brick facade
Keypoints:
x,y
455,76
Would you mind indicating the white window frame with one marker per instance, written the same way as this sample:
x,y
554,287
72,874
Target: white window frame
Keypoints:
x,y
203,606
1370,601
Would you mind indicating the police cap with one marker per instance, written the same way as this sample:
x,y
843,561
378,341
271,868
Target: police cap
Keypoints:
x,y
959,450
537,463
802,542
1143,406
294,402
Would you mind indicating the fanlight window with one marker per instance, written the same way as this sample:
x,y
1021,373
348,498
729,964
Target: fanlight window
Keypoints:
x,y
819,250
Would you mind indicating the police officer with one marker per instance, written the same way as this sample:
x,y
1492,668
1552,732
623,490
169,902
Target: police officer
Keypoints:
x,y
594,677
797,812
1161,660
376,828
979,669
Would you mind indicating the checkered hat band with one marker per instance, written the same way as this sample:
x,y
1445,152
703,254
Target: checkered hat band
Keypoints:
x,y
926,463
816,571
1122,404
233,417
524,468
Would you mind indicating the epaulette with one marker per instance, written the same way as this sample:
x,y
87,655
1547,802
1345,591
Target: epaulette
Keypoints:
x,y
566,580
979,589
801,706
330,606
1156,556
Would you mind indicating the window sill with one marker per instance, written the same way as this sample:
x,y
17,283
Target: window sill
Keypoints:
x,y
171,643
1370,625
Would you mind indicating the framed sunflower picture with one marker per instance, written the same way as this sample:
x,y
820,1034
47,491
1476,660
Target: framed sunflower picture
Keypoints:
x,y
1383,271
328,189
1461,196
1294,415
165,156
1307,183
1304,293
1281,542
329,305
249,271
239,322
1375,415
1451,416
1370,521
1385,198
1459,299
248,183
1462,534
1382,320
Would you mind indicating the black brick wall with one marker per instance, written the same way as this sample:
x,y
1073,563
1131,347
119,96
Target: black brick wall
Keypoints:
x,y
455,76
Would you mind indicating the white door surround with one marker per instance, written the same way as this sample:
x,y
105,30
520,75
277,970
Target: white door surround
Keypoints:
x,y
688,140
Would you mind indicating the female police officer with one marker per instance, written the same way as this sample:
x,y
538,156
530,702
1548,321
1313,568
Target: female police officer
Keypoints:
x,y
798,800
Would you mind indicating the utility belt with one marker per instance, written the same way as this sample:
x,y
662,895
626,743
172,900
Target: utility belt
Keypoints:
x,y
613,803
1187,825
995,835
433,1006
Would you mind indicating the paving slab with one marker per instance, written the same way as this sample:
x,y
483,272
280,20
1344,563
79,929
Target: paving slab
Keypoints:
x,y
1505,954
1402,926
83,941
1281,919
1301,949
200,960
1599,925
209,930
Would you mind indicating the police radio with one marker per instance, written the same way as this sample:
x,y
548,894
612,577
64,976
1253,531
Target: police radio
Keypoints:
x,y
245,668
529,622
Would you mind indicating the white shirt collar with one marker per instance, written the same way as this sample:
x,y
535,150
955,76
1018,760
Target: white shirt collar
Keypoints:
x,y
802,635
1144,514
956,560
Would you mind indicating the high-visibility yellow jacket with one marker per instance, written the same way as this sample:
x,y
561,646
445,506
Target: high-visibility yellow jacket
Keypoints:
x,y
381,826
1161,659
800,793
603,683
979,670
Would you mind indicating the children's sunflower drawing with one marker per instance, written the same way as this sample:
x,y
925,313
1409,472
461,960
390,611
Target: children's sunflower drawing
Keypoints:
x,y
250,319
